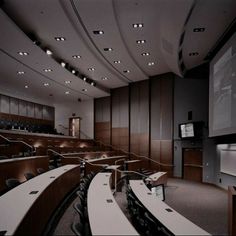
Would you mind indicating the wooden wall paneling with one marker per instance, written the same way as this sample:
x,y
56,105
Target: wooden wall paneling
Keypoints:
x,y
167,156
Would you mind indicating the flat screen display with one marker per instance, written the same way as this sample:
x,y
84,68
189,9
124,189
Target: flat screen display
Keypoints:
x,y
187,130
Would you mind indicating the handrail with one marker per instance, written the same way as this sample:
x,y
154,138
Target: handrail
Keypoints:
x,y
126,152
134,154
134,172
19,141
55,152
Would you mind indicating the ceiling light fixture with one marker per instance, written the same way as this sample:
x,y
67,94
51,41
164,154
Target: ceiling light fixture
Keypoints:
x,y
76,56
151,63
67,82
126,71
46,84
84,79
48,70
26,86
108,49
138,25
23,53
20,72
84,90
145,54
60,38
91,69
141,41
117,62
193,54
98,32
48,52
63,64
92,84
67,92
104,78
73,71
199,29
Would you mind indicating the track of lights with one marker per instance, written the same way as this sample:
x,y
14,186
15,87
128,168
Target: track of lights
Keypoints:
x,y
61,62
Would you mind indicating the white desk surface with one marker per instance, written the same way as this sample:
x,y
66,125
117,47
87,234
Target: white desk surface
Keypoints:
x,y
112,167
16,203
106,218
104,158
173,221
157,175
132,161
21,159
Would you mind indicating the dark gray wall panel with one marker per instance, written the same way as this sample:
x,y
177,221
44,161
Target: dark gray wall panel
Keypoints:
x,y
38,111
102,109
5,104
22,108
14,106
30,109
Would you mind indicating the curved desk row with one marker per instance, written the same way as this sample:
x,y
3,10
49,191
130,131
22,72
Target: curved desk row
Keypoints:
x,y
168,217
105,216
26,209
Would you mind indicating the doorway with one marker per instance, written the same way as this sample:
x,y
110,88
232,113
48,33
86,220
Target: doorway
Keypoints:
x,y
192,164
74,126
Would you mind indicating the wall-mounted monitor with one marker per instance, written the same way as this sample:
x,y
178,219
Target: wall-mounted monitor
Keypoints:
x,y
191,130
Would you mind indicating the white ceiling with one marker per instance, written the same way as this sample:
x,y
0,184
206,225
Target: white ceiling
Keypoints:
x,y
164,23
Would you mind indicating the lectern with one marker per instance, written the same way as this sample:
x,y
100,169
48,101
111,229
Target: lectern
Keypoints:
x,y
232,209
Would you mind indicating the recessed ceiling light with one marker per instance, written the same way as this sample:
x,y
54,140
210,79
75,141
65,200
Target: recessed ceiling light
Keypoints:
x,y
60,38
138,25
84,79
46,84
98,32
67,92
73,71
93,84
104,78
76,56
151,63
26,86
67,82
199,29
141,41
117,62
145,54
63,64
49,52
91,69
193,54
48,70
84,90
126,71
108,49
23,53
20,72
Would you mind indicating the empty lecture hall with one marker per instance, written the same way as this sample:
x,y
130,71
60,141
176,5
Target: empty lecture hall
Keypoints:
x,y
117,117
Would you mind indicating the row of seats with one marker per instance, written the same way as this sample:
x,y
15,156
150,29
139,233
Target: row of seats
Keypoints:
x,y
142,219
81,227
13,182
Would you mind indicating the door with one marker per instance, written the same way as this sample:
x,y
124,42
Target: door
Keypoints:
x,y
192,164
74,126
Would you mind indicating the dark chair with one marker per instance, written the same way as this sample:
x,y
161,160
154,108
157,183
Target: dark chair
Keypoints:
x,y
77,228
79,208
40,171
29,175
12,183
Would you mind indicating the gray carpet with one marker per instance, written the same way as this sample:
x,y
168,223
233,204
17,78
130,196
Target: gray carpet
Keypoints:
x,y
203,204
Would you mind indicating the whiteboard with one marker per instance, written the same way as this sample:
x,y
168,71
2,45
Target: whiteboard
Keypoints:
x,y
228,162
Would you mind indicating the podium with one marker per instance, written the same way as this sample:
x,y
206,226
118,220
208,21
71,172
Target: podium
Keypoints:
x,y
232,210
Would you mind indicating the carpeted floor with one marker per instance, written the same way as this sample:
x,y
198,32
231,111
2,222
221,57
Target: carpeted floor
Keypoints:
x,y
203,204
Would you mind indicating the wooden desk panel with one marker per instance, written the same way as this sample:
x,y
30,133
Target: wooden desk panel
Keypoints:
x,y
16,167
